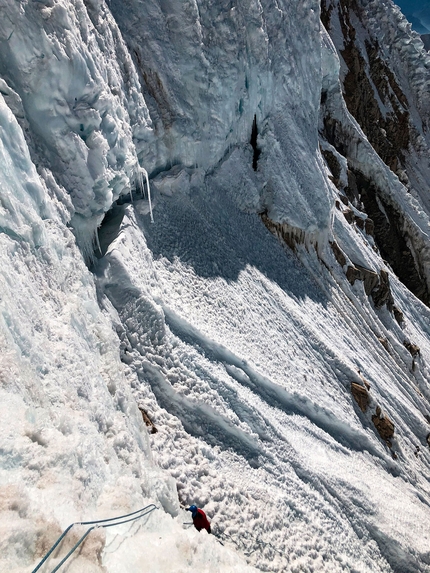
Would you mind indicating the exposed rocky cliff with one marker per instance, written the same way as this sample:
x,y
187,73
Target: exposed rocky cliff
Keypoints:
x,y
393,118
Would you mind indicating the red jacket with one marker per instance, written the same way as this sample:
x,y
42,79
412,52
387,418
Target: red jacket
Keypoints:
x,y
201,521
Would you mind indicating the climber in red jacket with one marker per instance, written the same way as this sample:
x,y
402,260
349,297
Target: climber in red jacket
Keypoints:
x,y
199,518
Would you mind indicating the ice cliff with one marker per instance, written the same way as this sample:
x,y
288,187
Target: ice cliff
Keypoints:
x,y
271,324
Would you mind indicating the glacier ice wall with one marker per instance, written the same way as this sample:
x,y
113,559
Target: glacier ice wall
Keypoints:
x,y
205,72
79,96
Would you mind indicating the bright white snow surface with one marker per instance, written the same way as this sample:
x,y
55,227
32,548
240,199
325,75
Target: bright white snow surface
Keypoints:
x,y
241,351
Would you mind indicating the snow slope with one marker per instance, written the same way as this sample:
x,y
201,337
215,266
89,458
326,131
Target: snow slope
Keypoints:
x,y
240,348
73,445
244,356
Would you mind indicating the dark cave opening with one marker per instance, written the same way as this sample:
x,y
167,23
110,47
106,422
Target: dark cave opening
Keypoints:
x,y
253,142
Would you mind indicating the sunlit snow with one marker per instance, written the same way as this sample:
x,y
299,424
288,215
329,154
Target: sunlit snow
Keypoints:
x,y
181,302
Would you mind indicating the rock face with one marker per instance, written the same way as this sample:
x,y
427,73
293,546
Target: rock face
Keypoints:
x,y
382,294
366,80
377,286
384,343
413,348
388,230
361,396
148,422
398,315
384,426
290,235
333,165
394,123
340,257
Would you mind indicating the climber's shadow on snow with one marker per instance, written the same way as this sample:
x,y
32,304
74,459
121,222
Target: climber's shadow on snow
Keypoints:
x,y
205,230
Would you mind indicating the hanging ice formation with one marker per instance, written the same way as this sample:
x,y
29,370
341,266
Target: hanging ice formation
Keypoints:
x,y
141,171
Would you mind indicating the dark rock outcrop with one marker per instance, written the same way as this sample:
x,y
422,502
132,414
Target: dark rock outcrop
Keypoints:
x,y
349,215
340,257
388,133
398,315
292,236
382,294
369,226
388,231
353,274
333,165
361,396
359,221
384,343
148,422
384,426
369,277
413,348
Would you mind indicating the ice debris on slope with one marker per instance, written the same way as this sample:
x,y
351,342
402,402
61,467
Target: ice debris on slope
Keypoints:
x,y
244,360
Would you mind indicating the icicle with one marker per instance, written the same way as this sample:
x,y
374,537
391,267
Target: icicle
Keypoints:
x,y
98,242
140,182
149,192
140,185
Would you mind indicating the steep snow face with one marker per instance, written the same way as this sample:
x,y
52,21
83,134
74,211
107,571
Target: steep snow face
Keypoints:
x,y
244,355
241,351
